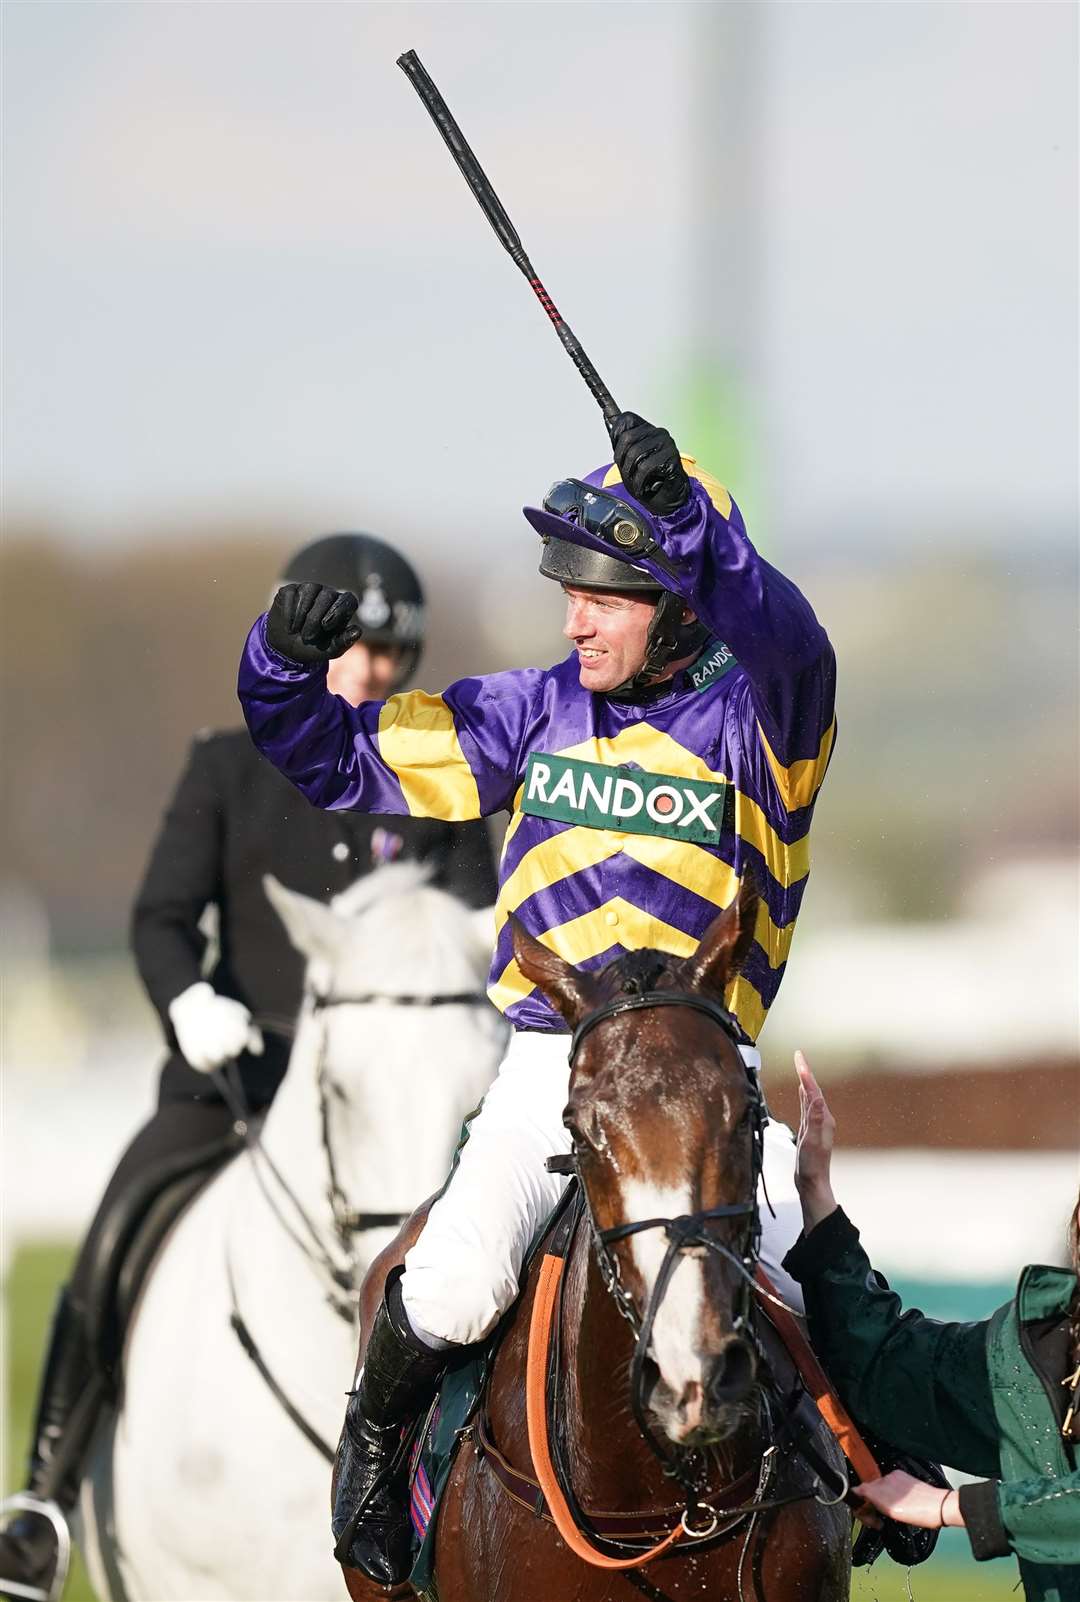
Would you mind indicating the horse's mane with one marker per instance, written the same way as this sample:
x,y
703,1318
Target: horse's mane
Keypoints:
x,y
407,933
393,879
638,971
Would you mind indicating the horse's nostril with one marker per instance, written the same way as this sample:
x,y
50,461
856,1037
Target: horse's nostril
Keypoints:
x,y
731,1373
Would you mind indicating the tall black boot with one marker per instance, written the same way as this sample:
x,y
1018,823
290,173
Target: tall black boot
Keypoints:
x,y
31,1547
398,1380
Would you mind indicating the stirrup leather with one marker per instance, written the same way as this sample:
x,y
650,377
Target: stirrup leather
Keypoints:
x,y
23,1502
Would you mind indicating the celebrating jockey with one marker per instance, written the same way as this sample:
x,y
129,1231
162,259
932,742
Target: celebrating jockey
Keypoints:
x,y
678,748
231,820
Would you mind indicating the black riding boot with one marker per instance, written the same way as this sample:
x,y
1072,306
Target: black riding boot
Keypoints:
x,y
67,1410
398,1380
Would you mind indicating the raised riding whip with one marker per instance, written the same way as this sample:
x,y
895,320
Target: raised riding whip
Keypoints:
x,y
507,234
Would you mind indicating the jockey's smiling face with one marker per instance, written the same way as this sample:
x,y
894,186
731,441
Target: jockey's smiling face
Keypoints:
x,y
610,629
364,672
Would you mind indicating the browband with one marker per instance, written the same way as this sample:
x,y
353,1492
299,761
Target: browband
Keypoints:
x,y
657,998
457,998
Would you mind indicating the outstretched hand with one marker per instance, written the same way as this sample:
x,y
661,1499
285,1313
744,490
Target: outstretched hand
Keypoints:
x,y
311,624
817,1132
912,1501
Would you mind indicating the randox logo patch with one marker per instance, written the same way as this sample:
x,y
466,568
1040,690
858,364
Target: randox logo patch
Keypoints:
x,y
716,660
629,799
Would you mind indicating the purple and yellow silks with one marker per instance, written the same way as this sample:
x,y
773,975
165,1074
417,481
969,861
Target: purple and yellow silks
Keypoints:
x,y
763,726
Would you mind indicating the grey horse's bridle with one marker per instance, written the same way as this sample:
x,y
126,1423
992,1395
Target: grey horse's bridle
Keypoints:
x,y
346,1221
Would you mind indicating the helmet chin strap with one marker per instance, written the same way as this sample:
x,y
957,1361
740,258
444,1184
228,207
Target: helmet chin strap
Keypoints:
x,y
669,639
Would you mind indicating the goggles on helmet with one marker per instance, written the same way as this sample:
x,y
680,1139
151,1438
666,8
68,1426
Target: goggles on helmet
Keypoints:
x,y
600,514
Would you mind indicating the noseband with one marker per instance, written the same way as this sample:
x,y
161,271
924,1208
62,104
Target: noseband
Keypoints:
x,y
683,1233
347,1223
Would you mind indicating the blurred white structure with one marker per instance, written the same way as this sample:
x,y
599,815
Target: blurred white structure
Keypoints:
x,y
967,1216
998,985
79,1047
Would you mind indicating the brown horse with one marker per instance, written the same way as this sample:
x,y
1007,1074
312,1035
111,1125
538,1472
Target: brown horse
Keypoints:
x,y
672,1392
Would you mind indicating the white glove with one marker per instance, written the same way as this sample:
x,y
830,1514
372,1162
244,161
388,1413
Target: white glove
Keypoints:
x,y
212,1029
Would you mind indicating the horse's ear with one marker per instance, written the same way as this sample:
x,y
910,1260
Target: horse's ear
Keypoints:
x,y
313,927
572,991
725,943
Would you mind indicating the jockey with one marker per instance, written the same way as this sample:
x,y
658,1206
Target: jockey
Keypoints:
x,y
679,747
231,820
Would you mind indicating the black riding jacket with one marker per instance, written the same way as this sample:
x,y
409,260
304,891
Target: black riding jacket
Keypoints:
x,y
233,818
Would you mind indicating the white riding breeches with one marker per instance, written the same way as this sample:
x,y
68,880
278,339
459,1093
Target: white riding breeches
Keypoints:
x,y
463,1271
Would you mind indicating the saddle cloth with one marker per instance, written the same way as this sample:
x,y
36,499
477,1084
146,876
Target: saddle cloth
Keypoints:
x,y
433,1457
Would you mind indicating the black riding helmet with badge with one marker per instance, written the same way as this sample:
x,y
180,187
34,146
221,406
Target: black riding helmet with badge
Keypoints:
x,y
391,599
593,528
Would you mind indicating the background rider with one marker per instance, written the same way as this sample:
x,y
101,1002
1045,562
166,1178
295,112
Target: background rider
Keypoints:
x,y
231,820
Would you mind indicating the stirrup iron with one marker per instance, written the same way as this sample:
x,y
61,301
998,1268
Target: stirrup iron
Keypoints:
x,y
23,1502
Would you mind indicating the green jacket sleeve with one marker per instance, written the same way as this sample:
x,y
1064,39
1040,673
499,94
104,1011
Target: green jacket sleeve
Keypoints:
x,y
1042,1517
1037,1517
919,1384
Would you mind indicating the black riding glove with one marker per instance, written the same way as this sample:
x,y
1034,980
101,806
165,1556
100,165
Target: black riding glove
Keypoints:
x,y
649,464
311,624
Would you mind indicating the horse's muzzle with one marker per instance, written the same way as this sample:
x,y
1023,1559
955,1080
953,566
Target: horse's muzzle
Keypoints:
x,y
730,1374
709,1412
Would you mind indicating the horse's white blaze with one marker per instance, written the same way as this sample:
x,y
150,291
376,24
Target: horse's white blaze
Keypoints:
x,y
677,1329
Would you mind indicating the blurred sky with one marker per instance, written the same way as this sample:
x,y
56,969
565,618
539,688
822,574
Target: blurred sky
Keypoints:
x,y
241,271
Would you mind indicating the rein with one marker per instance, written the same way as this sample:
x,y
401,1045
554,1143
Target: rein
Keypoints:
x,y
341,1280
347,1222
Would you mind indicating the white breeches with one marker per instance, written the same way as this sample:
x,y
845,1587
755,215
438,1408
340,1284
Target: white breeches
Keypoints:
x,y
463,1271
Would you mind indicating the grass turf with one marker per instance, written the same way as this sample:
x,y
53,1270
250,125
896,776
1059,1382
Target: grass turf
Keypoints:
x,y
38,1270
29,1294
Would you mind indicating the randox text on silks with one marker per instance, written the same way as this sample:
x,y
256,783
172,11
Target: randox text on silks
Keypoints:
x,y
596,796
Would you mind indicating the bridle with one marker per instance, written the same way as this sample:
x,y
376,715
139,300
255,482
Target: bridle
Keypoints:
x,y
703,1523
688,1231
347,1223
